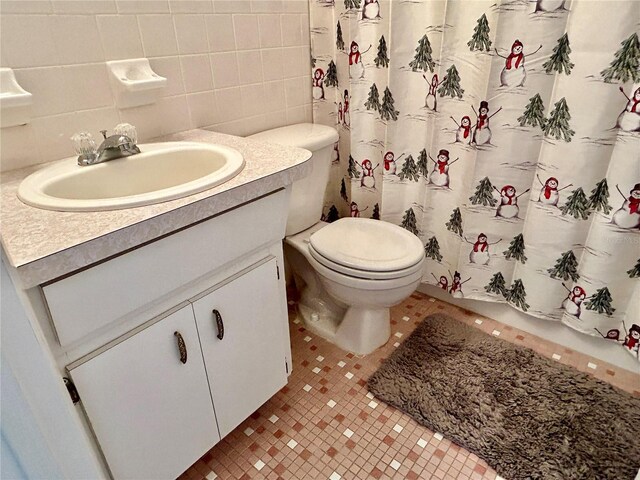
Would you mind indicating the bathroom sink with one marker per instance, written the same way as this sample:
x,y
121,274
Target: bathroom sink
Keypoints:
x,y
161,172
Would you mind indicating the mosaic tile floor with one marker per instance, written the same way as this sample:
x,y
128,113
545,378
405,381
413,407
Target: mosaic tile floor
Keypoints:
x,y
325,425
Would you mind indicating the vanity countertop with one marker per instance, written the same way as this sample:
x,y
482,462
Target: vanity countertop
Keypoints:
x,y
45,244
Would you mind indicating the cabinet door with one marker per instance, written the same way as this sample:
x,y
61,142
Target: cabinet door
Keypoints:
x,y
246,366
151,413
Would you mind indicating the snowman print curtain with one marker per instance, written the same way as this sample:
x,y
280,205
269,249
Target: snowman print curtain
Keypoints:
x,y
505,134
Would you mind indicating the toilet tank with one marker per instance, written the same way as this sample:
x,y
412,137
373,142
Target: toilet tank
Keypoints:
x,y
307,195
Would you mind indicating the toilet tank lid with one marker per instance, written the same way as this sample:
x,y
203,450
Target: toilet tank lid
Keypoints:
x,y
303,135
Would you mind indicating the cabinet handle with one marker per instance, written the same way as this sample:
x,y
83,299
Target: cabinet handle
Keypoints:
x,y
219,324
182,348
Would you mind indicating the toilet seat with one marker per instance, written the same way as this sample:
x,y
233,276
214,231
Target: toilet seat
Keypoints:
x,y
366,248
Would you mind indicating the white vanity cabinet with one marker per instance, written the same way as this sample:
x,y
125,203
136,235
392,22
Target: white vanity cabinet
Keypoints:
x,y
217,287
150,395
151,413
242,335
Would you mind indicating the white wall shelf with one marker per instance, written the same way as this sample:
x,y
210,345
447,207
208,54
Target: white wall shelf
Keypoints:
x,y
15,101
134,83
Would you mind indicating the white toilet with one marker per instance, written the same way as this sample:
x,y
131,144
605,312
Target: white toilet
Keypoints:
x,y
349,272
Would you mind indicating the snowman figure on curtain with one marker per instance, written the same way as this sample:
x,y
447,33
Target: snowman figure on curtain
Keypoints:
x,y
628,215
367,179
482,132
440,173
513,73
431,100
371,10
463,132
390,160
442,283
629,118
456,285
549,193
356,67
480,252
508,206
354,211
632,339
572,304
317,83
346,117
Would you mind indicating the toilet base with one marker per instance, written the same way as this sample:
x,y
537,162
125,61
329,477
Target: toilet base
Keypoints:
x,y
363,330
355,329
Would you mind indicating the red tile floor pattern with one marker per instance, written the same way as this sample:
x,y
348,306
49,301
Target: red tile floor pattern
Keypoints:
x,y
325,424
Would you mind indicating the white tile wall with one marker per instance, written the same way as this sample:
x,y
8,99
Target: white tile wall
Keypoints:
x,y
235,66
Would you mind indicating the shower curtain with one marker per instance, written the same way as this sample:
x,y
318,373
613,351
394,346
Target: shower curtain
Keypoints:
x,y
506,135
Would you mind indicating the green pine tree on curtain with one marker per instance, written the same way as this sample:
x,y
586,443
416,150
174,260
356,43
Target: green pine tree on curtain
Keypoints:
x,y
373,101
484,194
558,124
450,87
559,60
577,205
455,222
601,301
626,64
566,267
409,221
599,198
387,110
409,170
496,285
533,113
382,59
432,249
339,39
423,59
480,39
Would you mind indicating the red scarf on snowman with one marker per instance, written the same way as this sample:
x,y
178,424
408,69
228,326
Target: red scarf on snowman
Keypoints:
x,y
467,129
503,192
387,163
634,205
433,85
634,102
548,189
579,296
483,246
317,79
367,171
354,57
443,165
518,56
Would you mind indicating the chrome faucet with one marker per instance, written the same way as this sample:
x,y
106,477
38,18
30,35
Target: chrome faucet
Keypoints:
x,y
121,144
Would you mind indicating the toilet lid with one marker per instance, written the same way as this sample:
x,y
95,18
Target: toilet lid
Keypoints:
x,y
366,274
369,245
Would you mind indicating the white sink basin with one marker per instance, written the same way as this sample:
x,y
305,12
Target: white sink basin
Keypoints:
x,y
161,172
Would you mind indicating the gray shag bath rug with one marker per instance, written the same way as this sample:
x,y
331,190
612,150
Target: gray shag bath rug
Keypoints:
x,y
527,416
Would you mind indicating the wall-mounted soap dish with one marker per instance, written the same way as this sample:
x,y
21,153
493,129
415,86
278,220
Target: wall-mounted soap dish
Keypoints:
x,y
15,101
134,83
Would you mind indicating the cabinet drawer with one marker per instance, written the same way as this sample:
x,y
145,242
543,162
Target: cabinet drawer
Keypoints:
x,y
150,411
125,285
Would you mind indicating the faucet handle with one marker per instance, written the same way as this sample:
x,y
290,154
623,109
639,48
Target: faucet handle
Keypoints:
x,y
85,147
83,143
104,133
128,130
